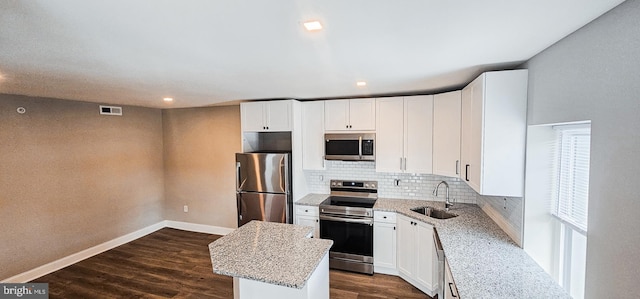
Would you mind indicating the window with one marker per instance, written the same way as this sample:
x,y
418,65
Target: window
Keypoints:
x,y
570,202
572,189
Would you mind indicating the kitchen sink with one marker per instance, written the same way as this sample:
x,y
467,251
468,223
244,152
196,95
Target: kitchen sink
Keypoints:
x,y
434,213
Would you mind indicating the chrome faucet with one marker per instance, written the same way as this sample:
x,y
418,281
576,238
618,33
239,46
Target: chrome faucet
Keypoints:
x,y
447,203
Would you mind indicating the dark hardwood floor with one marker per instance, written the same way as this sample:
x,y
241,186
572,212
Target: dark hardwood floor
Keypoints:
x,y
172,263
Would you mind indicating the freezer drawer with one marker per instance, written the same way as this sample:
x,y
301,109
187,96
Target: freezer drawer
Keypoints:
x,y
263,206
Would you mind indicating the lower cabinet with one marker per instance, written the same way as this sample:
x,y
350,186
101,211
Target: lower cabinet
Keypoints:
x,y
450,290
308,216
384,243
417,259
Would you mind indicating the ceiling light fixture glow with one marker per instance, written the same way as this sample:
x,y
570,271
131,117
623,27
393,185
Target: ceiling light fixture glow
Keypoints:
x,y
361,83
312,25
168,99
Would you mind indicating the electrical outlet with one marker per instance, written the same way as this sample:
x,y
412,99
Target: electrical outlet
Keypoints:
x,y
185,208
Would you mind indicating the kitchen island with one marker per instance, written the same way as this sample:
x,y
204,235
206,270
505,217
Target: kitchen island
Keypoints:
x,y
273,260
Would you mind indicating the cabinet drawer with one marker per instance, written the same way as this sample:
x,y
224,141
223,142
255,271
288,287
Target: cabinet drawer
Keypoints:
x,y
386,217
306,211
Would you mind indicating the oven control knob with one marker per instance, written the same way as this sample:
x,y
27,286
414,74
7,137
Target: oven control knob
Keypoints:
x,y
366,185
373,185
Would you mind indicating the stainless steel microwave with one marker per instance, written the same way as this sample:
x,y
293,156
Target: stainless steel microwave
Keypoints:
x,y
350,146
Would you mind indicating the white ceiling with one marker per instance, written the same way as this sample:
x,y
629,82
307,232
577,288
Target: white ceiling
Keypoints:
x,y
204,52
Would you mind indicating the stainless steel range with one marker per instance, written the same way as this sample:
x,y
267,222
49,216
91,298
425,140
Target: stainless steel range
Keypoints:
x,y
346,217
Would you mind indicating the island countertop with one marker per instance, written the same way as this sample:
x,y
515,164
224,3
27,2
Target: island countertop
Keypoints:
x,y
484,261
275,253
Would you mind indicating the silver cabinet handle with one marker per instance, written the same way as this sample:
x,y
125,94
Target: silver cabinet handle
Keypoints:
x,y
457,166
400,163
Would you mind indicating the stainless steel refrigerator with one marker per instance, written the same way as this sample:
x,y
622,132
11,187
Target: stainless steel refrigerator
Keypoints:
x,y
263,187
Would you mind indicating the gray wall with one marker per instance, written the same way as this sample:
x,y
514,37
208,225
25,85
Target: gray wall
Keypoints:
x,y
71,178
199,156
594,74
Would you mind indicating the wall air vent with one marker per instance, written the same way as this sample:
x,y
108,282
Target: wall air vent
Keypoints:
x,y
110,110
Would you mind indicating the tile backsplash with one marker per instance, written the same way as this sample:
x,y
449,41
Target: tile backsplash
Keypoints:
x,y
411,186
420,186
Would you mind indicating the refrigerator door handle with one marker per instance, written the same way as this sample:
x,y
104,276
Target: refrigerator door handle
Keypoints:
x,y
283,173
238,178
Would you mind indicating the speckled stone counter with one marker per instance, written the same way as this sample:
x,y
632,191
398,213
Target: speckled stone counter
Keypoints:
x,y
484,261
312,199
274,253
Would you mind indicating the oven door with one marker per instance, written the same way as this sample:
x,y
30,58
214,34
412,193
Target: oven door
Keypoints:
x,y
351,236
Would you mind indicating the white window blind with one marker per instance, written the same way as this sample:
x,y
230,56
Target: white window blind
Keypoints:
x,y
572,185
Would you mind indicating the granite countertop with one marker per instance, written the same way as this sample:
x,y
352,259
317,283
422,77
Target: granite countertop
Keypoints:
x,y
484,261
274,253
312,199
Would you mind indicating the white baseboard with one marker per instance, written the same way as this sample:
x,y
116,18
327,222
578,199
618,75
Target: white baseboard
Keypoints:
x,y
199,228
503,223
84,254
100,248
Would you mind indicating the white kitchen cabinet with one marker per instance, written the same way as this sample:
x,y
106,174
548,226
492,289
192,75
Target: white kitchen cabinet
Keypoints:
x,y
267,116
308,216
313,135
384,242
350,115
447,113
416,254
494,112
404,134
450,289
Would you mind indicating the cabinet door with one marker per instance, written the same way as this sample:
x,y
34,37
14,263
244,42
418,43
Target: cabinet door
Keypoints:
x,y
389,135
418,129
465,146
313,135
310,221
472,101
424,256
450,290
253,117
362,114
336,115
406,246
476,140
446,133
278,114
384,246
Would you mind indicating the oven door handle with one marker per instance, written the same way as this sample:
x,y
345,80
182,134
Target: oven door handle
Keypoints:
x,y
350,220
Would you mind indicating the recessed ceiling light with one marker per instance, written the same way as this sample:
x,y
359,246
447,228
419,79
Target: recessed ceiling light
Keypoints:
x,y
168,99
361,83
312,25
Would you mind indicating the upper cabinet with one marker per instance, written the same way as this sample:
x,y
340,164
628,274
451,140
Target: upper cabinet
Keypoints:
x,y
269,116
350,115
494,111
447,113
313,135
404,134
